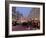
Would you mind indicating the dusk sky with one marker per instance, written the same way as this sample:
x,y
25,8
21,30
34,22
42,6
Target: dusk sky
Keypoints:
x,y
24,10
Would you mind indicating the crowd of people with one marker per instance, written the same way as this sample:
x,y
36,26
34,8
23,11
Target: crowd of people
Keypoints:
x,y
32,23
